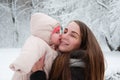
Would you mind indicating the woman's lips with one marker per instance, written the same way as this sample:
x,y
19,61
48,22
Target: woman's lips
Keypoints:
x,y
64,42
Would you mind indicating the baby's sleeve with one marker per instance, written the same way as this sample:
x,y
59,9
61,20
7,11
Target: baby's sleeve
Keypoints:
x,y
33,49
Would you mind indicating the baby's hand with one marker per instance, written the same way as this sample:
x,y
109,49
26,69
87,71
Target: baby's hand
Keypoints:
x,y
39,64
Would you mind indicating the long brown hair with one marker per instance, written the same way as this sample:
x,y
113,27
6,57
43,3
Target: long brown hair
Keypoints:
x,y
60,68
95,67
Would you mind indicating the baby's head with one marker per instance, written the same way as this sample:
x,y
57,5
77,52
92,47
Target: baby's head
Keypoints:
x,y
43,26
55,36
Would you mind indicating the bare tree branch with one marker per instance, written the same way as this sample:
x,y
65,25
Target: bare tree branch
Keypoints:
x,y
101,4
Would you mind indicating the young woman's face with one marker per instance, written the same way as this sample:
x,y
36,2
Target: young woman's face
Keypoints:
x,y
71,38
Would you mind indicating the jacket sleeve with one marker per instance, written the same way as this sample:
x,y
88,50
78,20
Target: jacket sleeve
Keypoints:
x,y
33,49
38,75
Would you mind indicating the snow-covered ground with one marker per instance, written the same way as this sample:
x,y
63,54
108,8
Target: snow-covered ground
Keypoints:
x,y
112,65
8,55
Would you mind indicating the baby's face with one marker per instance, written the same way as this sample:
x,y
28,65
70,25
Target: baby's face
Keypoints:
x,y
55,37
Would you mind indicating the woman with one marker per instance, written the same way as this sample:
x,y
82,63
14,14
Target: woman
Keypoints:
x,y
77,36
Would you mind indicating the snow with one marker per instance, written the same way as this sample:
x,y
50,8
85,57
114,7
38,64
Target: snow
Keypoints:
x,y
112,65
112,62
7,55
102,16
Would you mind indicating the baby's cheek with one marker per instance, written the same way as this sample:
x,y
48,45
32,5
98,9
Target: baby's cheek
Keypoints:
x,y
56,36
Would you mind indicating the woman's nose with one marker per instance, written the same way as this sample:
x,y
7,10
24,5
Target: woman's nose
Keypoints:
x,y
64,36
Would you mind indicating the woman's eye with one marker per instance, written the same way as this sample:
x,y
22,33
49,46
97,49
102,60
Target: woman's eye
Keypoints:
x,y
72,35
65,31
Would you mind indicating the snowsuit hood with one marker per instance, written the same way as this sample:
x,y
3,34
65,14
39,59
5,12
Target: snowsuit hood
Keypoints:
x,y
42,26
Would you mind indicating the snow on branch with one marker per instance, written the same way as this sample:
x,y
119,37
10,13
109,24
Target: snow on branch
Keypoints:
x,y
102,4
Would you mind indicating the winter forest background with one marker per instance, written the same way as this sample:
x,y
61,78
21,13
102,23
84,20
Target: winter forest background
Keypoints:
x,y
102,16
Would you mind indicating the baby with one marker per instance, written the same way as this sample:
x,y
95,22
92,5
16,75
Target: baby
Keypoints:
x,y
44,40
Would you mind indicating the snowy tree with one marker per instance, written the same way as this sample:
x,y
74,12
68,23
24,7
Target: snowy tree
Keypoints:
x,y
114,28
19,12
102,16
